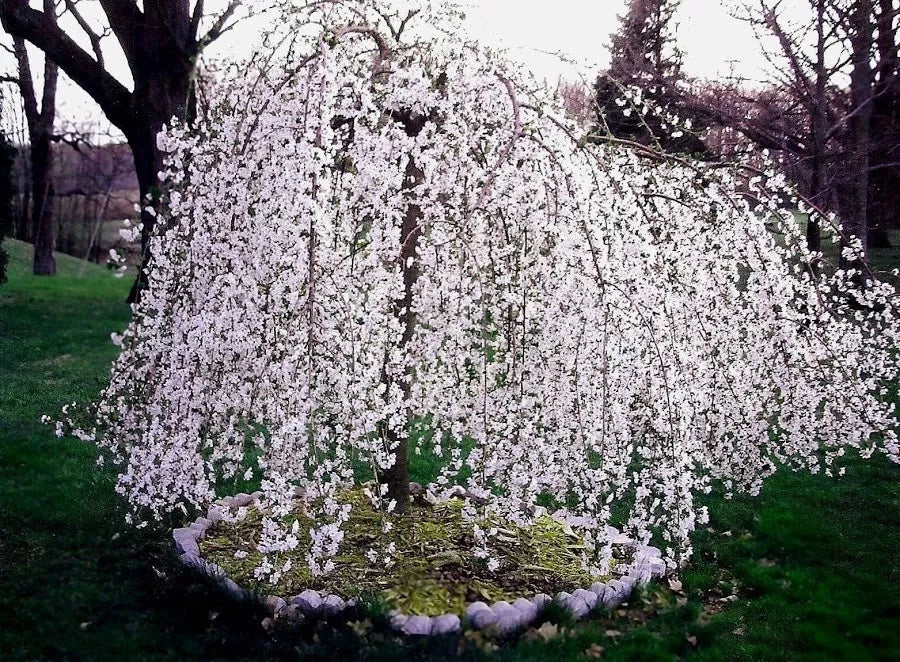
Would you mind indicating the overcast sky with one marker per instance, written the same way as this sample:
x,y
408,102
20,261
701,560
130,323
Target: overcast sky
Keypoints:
x,y
714,42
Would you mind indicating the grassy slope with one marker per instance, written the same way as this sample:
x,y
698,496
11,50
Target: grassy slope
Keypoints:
x,y
813,561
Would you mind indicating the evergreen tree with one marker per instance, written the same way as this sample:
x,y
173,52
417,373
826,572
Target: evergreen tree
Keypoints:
x,y
644,49
637,96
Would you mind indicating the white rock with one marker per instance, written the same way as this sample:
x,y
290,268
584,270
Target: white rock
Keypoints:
x,y
541,600
598,589
200,527
215,514
275,604
509,621
527,607
577,606
309,602
589,598
446,624
503,607
417,625
191,560
612,600
186,540
240,500
474,608
562,596
615,594
333,604
398,620
483,618
657,568
641,574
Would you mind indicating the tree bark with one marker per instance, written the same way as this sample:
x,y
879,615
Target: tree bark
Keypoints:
x,y
40,133
397,476
818,186
41,163
861,94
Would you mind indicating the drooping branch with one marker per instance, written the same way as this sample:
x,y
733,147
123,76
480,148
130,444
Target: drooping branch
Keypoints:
x,y
507,148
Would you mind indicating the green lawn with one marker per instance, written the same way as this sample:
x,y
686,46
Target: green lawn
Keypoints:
x,y
806,571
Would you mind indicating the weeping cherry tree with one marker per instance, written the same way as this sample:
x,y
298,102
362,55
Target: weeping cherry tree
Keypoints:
x,y
382,228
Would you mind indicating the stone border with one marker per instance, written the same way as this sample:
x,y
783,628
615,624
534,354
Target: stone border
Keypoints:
x,y
501,616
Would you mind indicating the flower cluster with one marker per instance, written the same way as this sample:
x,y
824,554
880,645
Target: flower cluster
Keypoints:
x,y
388,226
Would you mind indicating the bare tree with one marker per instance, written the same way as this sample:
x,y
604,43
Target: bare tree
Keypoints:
x,y
161,41
833,77
39,119
7,155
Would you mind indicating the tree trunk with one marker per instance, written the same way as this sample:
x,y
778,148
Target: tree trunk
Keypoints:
x,y
161,93
397,476
861,82
147,164
22,231
41,164
819,129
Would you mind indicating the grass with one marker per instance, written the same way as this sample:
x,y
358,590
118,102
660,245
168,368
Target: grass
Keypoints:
x,y
806,571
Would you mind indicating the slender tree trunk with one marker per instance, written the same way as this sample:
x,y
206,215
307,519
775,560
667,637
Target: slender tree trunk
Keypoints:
x,y
861,90
41,164
160,95
23,231
40,131
397,476
818,186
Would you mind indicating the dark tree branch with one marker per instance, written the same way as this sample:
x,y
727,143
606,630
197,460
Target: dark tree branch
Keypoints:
x,y
23,22
91,34
195,20
26,83
124,18
219,27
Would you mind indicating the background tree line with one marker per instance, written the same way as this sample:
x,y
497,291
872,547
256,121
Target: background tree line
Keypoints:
x,y
829,111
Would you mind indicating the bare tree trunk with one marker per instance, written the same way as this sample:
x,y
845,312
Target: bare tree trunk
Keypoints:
x,y
148,162
41,164
817,180
40,130
861,92
22,232
161,43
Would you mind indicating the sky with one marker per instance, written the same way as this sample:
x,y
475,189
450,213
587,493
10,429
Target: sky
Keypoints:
x,y
710,37
714,42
